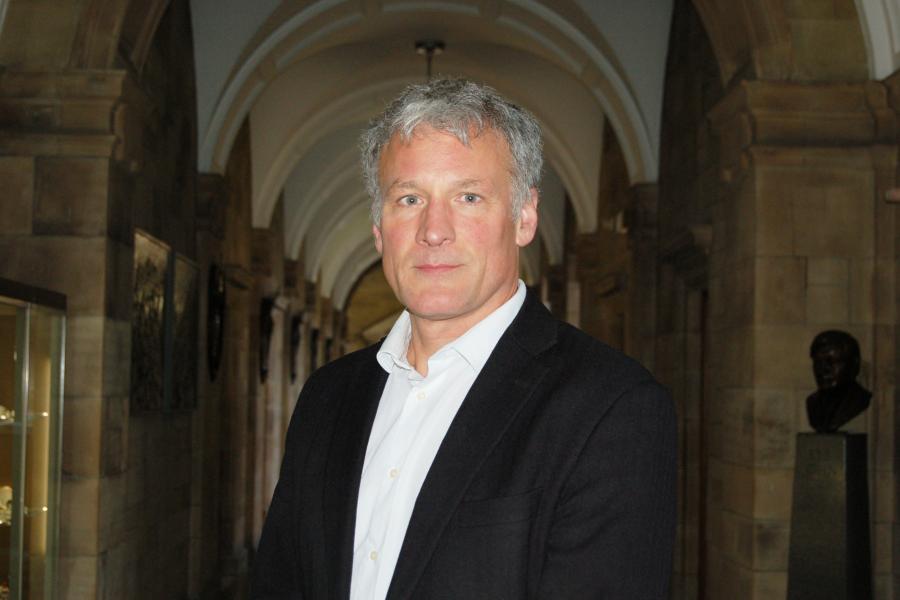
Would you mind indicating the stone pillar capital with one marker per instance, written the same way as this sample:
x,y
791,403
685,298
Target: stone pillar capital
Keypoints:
x,y
68,113
807,115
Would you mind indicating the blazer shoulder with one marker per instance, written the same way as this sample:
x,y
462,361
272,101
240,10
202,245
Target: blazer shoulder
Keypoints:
x,y
585,366
586,355
340,369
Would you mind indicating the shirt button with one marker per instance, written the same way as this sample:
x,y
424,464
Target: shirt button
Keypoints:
x,y
373,555
420,395
393,473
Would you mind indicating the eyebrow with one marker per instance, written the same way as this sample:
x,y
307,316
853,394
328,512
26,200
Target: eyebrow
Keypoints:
x,y
411,184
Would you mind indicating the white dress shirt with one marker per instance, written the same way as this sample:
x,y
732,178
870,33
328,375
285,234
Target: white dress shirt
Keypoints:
x,y
413,416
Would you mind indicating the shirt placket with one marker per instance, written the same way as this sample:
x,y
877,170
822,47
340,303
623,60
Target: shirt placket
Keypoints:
x,y
389,462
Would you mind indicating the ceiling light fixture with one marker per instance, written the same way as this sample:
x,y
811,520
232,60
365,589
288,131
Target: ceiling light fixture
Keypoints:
x,y
429,49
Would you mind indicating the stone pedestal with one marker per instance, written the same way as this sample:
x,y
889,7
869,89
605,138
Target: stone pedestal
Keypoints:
x,y
829,549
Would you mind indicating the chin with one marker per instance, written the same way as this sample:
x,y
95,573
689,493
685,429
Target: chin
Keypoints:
x,y
435,309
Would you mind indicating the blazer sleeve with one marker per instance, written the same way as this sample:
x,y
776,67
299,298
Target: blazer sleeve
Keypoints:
x,y
613,529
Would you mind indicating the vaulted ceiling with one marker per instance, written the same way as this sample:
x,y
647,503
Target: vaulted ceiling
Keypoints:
x,y
309,75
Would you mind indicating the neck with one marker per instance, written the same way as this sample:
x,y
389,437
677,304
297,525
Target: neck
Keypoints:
x,y
427,336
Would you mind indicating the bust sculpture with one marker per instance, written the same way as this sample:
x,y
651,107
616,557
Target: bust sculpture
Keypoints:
x,y
839,398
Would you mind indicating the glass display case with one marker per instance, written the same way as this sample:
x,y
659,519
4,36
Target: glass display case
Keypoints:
x,y
32,331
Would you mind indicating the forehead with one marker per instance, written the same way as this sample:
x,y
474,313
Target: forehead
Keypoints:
x,y
427,142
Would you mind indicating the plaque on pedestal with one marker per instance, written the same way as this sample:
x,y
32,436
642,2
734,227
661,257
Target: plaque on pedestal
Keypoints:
x,y
829,549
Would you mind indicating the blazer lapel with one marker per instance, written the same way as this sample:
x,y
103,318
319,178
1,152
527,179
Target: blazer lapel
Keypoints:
x,y
505,383
344,468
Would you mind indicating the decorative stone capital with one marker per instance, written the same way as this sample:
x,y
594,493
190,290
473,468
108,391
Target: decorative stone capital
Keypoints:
x,y
770,113
71,113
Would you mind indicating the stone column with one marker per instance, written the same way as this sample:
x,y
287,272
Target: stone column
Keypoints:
x,y
642,242
294,291
206,420
268,403
679,363
801,242
238,368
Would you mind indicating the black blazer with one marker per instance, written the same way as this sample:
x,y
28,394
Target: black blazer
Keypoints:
x,y
555,480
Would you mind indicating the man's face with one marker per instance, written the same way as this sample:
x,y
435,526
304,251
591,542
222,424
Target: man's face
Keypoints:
x,y
832,366
448,242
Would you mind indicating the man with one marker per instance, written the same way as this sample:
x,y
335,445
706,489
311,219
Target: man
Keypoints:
x,y
483,449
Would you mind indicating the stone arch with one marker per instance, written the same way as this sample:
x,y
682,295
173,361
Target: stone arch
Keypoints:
x,y
96,40
736,35
139,27
771,39
77,35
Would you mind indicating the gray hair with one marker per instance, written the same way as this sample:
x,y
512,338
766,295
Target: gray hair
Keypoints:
x,y
461,108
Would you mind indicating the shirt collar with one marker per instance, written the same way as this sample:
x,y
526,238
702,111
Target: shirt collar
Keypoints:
x,y
393,348
474,346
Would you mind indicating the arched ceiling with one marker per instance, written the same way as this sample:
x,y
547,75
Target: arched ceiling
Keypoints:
x,y
616,49
309,75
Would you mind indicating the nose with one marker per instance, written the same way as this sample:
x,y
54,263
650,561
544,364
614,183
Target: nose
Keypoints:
x,y
436,225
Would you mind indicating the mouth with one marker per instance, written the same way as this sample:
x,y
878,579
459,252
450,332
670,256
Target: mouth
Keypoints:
x,y
435,269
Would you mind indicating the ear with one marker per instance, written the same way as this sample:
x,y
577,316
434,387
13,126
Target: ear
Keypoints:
x,y
377,233
526,226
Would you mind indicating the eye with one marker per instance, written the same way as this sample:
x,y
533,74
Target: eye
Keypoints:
x,y
470,198
409,200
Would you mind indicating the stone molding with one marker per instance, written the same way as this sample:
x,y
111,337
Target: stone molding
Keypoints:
x,y
808,116
49,144
70,113
68,101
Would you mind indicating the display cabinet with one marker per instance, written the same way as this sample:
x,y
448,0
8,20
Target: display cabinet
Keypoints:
x,y
32,341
